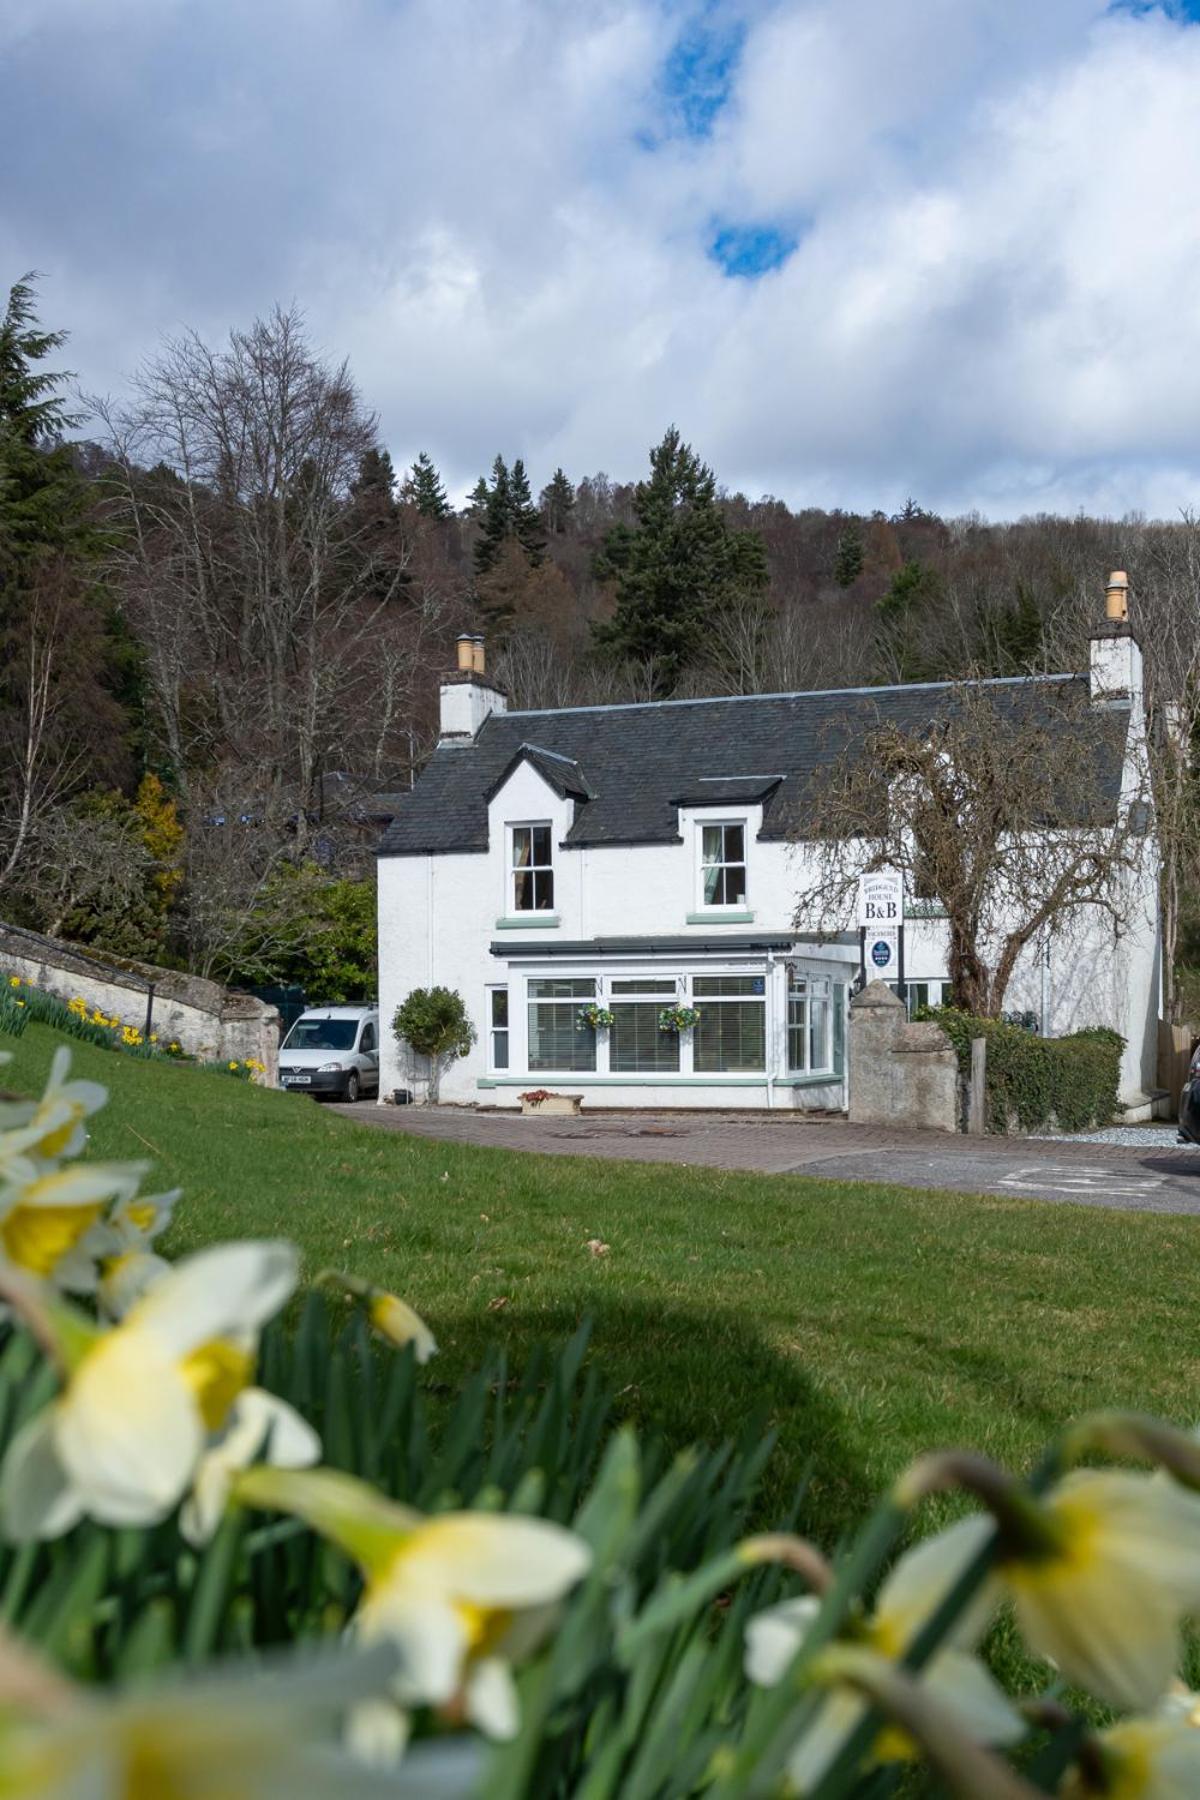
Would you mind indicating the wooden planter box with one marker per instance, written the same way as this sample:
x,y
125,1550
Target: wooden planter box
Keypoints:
x,y
554,1105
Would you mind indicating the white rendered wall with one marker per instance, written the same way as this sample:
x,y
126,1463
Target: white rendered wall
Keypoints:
x,y
439,916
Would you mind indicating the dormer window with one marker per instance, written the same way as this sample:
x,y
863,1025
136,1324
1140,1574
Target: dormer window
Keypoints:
x,y
723,865
531,868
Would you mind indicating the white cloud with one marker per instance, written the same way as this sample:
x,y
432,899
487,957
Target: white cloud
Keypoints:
x,y
992,302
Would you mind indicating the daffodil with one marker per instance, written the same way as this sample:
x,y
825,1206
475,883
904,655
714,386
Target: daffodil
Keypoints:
x,y
908,1598
39,1132
1103,1596
115,1260
461,1594
260,1426
1140,1759
141,1400
396,1321
46,1212
259,1734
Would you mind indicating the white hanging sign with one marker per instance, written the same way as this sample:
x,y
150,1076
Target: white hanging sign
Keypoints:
x,y
881,900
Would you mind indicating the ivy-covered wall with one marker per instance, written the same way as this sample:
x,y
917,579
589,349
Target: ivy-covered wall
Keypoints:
x,y
1032,1082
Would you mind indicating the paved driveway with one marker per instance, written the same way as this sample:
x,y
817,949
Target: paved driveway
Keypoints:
x,y
1133,1179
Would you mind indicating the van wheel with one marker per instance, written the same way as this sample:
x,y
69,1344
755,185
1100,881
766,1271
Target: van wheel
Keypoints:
x,y
352,1087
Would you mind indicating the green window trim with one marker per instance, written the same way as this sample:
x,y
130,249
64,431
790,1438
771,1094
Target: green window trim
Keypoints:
x,y
720,915
571,1079
530,922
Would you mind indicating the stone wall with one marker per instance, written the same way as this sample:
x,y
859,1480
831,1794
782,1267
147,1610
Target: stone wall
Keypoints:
x,y
206,1020
900,1074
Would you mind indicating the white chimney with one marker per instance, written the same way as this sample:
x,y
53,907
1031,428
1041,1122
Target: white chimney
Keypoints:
x,y
468,696
1116,660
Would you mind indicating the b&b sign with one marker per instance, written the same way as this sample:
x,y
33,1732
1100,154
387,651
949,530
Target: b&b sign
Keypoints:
x,y
881,901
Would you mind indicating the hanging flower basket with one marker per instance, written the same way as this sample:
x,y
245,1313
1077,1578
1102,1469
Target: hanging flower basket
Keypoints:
x,y
593,1018
678,1018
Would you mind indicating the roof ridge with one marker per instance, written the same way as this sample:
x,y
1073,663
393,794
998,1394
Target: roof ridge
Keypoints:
x,y
891,687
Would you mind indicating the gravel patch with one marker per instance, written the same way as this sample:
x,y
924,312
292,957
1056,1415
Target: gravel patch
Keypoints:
x,y
1133,1137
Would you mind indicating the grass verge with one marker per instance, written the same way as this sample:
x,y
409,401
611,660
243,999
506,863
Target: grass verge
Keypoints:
x,y
863,1322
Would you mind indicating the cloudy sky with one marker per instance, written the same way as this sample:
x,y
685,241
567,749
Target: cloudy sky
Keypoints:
x,y
857,249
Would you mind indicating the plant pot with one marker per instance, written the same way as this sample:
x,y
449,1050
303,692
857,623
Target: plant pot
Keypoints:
x,y
554,1105
401,1096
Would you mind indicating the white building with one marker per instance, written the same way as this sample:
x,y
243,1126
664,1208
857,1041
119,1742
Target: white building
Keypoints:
x,y
640,859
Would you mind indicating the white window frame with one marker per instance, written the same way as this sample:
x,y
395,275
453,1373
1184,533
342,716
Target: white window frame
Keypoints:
x,y
575,1002
802,1002
704,1001
636,989
722,824
511,908
493,1030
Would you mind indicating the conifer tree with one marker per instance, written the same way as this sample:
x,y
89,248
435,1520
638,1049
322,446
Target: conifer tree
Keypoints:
x,y
497,518
425,491
526,519
678,567
42,496
376,478
477,500
849,556
557,502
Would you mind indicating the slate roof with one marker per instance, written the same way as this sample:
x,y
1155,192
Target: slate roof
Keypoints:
x,y
637,763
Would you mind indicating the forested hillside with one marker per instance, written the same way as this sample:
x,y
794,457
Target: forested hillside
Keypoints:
x,y
224,610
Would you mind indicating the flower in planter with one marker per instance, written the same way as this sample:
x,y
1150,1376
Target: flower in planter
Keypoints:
x,y
535,1096
594,1018
678,1018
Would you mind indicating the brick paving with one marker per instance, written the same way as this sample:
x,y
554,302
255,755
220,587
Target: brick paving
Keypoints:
x,y
1130,1178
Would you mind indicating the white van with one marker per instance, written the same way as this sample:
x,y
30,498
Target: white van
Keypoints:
x,y
332,1052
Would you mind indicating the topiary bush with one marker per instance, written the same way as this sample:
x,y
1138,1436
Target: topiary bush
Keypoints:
x,y
1068,1082
433,1022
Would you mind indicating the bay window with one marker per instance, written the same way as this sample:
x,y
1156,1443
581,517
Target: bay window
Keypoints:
x,y
558,1039
810,1024
731,1035
636,1043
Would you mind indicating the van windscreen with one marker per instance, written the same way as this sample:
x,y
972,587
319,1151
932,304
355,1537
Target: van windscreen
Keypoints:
x,y
321,1034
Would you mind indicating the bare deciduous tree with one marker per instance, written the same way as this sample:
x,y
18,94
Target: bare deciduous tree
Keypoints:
x,y
1006,811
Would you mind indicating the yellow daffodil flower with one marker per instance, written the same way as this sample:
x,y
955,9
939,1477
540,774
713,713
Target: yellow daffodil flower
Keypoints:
x,y
461,1594
140,1400
115,1260
53,1126
256,1733
260,1427
908,1597
396,1321
1103,1598
1140,1759
45,1216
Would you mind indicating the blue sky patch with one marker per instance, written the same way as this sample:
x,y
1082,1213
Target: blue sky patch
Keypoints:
x,y
751,250
1187,10
698,74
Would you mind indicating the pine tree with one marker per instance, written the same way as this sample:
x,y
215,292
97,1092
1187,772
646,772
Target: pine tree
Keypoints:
x,y
497,518
906,614
376,478
424,489
477,500
849,556
557,501
42,496
526,519
679,567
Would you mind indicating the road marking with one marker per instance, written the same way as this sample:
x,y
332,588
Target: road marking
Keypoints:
x,y
1055,1178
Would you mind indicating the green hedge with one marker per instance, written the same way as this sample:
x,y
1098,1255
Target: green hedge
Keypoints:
x,y
1071,1082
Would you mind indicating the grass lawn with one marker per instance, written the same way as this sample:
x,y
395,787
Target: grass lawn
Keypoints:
x,y
865,1322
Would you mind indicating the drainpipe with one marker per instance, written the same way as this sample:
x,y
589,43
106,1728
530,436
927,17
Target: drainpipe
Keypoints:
x,y
1045,959
772,961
